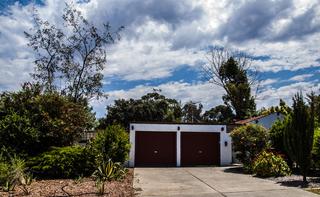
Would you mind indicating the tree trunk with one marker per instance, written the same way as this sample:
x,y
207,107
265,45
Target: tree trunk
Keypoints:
x,y
304,178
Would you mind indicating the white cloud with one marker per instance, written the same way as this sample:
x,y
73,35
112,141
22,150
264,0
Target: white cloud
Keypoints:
x,y
206,93
272,96
268,82
289,55
16,59
156,41
148,60
163,36
301,77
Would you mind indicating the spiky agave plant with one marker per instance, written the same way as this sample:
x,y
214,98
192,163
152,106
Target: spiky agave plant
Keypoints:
x,y
25,180
107,171
100,186
8,186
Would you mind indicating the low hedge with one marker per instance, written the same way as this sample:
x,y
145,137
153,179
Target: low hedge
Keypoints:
x,y
63,162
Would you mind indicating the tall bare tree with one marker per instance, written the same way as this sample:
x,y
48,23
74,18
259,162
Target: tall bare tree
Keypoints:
x,y
46,42
233,71
71,60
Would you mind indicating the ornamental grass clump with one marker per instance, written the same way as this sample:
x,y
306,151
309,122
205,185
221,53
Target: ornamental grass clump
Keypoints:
x,y
13,172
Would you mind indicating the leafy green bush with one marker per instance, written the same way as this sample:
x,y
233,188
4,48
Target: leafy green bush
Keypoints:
x,y
4,171
316,149
111,143
41,119
277,139
276,136
14,128
269,164
248,141
63,162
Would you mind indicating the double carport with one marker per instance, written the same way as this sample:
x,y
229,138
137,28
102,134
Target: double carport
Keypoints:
x,y
179,145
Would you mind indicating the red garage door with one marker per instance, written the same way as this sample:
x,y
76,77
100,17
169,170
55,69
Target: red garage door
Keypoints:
x,y
200,148
155,148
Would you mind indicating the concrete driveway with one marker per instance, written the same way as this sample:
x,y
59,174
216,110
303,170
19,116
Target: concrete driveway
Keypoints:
x,y
207,181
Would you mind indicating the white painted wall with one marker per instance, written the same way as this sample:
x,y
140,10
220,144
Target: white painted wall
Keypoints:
x,y
267,121
225,151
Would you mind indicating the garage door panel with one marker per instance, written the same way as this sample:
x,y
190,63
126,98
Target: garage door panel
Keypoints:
x,y
200,148
155,148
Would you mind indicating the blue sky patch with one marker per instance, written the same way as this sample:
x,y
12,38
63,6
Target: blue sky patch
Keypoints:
x,y
183,73
4,4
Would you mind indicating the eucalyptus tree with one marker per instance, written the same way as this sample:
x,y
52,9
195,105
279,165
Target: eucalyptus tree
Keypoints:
x,y
150,107
191,112
220,114
234,73
70,59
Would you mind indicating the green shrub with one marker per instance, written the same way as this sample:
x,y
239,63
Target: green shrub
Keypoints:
x,y
63,162
111,143
41,119
248,141
276,136
4,171
14,173
14,128
316,149
269,164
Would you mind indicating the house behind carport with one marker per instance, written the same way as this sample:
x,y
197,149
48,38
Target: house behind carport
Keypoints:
x,y
264,120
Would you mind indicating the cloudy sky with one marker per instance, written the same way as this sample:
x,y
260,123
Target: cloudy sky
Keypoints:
x,y
164,44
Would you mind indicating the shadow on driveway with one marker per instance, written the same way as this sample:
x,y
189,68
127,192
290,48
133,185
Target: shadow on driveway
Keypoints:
x,y
208,181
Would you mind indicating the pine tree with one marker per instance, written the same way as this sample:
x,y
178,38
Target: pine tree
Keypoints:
x,y
299,130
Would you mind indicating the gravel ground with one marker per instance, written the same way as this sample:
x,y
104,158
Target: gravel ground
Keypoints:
x,y
69,187
296,181
291,181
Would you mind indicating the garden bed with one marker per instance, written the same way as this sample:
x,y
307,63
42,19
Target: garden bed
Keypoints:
x,y
79,187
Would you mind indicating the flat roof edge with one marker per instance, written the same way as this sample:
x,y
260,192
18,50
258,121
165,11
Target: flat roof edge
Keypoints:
x,y
180,123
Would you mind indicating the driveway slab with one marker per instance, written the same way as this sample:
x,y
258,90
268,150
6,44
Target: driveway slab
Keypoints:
x,y
207,181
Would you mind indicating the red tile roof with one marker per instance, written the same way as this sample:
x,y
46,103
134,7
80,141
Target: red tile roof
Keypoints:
x,y
250,119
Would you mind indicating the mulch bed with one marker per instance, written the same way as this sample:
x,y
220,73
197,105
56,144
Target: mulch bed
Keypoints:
x,y
82,188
